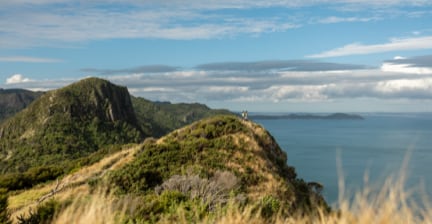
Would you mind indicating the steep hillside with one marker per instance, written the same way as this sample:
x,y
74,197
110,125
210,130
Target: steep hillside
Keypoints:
x,y
199,170
214,145
14,100
67,124
159,118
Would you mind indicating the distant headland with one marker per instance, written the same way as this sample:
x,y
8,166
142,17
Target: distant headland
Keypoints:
x,y
305,116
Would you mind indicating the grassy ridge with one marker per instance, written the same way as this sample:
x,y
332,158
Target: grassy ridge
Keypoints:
x,y
200,171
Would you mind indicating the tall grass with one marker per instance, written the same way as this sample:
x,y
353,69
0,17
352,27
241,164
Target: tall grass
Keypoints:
x,y
390,204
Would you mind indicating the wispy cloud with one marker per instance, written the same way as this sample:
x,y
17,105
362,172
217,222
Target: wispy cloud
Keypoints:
x,y
397,44
26,59
141,69
290,65
336,19
53,22
50,24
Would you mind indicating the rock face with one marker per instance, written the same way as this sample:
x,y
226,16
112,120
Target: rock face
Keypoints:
x,y
68,123
14,100
92,98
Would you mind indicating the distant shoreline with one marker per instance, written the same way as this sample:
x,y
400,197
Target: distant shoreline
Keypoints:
x,y
333,116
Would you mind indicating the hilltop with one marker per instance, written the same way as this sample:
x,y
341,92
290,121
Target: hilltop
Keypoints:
x,y
199,169
65,125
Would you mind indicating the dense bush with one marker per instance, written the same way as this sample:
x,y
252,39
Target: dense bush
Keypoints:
x,y
159,118
40,174
16,181
43,214
4,213
269,206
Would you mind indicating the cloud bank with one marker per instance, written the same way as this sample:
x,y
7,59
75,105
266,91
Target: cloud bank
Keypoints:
x,y
263,82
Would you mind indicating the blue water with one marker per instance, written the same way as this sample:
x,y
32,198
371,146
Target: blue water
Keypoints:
x,y
376,146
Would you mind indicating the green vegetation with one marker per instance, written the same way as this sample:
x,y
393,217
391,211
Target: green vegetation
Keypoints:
x,y
62,127
4,213
197,154
78,124
159,118
191,174
44,214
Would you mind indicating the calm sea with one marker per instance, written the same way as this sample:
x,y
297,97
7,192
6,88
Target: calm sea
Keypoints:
x,y
375,147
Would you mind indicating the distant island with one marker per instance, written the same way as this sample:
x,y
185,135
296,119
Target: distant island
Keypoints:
x,y
334,116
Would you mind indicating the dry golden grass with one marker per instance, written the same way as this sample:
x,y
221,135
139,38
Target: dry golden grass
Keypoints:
x,y
97,208
389,205
70,185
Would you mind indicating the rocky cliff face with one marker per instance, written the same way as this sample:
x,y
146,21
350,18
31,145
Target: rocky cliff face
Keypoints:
x,y
92,98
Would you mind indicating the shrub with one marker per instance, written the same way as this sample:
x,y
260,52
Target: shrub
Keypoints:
x,y
269,206
44,213
212,192
4,213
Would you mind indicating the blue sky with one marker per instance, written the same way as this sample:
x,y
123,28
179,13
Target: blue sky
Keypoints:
x,y
275,55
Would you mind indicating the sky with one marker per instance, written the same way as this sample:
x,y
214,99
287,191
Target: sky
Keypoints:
x,y
260,56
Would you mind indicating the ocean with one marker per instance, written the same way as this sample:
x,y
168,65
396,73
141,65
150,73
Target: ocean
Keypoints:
x,y
375,148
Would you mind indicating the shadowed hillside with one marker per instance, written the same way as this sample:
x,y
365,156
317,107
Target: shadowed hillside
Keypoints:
x,y
14,100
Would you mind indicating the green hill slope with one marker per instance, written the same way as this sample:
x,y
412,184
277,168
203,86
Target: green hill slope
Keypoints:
x,y
77,125
210,162
67,124
159,118
189,175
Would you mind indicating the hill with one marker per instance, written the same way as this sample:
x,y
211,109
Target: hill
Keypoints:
x,y
199,169
67,124
159,118
78,125
14,100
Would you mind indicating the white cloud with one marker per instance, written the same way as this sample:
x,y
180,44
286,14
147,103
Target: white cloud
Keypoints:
x,y
403,44
405,68
398,58
410,88
29,59
16,79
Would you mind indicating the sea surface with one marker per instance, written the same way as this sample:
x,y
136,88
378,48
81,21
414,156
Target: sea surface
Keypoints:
x,y
374,148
